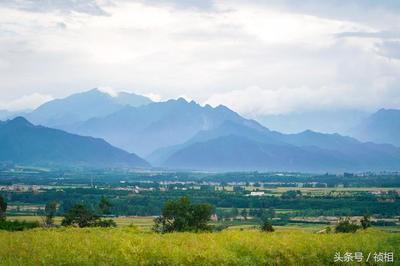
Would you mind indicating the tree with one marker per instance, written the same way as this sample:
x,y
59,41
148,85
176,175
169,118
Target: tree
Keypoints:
x,y
266,226
346,226
291,194
268,214
3,208
105,205
180,215
79,216
243,213
50,211
365,222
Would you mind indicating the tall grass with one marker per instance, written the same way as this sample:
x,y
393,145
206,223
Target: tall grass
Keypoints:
x,y
128,246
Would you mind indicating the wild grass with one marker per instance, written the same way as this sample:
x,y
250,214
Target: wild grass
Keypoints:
x,y
130,246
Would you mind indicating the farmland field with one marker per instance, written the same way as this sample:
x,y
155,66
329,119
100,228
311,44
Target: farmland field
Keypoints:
x,y
299,210
130,246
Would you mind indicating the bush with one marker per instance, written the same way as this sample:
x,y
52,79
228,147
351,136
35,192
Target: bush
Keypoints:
x,y
105,223
220,227
81,216
266,226
345,226
365,222
17,225
3,208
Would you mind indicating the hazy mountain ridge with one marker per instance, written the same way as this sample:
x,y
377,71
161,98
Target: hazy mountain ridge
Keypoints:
x,y
272,151
185,135
324,121
153,126
240,153
381,127
80,107
24,143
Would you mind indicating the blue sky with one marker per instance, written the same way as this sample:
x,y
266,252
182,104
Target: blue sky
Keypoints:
x,y
257,57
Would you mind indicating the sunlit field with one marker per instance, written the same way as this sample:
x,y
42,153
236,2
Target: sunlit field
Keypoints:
x,y
130,246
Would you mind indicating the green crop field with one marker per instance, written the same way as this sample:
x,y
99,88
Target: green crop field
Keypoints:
x,y
131,246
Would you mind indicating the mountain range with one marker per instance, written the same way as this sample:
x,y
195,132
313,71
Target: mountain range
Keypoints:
x,y
237,147
147,128
381,127
179,134
24,143
80,107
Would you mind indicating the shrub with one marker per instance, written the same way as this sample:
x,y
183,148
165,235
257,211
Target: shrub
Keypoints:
x,y
50,212
266,226
365,222
291,194
17,225
220,227
345,226
81,216
105,223
3,208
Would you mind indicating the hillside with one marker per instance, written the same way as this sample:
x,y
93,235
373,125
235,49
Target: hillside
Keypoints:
x,y
23,143
80,107
237,147
381,127
147,128
234,153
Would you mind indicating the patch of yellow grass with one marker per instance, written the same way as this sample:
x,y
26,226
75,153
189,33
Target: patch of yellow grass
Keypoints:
x,y
128,246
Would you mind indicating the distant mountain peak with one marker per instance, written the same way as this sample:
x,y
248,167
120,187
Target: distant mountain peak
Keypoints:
x,y
381,127
23,143
79,107
19,121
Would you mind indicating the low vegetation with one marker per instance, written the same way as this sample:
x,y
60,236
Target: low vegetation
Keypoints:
x,y
128,246
17,225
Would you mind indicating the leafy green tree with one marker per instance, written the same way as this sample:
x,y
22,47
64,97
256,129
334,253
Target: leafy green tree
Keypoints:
x,y
105,205
266,226
365,221
180,215
291,194
3,208
346,226
79,216
50,211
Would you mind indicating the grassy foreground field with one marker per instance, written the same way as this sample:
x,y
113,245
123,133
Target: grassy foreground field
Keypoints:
x,y
129,246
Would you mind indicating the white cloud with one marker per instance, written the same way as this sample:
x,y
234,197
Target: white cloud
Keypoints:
x,y
110,91
26,102
153,96
256,56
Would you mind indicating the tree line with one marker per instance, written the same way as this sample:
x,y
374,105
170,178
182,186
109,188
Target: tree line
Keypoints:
x,y
180,215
